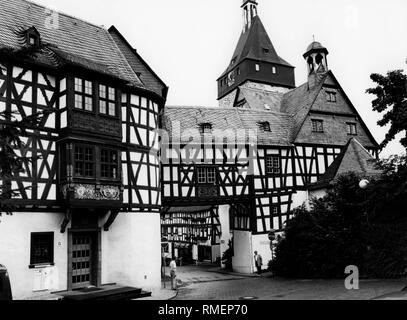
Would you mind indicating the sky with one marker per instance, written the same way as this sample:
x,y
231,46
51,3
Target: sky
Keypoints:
x,y
189,43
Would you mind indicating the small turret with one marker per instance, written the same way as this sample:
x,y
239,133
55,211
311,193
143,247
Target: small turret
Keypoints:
x,y
316,57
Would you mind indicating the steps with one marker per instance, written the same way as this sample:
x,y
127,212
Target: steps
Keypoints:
x,y
111,292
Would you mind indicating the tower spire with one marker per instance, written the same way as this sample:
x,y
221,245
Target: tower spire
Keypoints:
x,y
249,12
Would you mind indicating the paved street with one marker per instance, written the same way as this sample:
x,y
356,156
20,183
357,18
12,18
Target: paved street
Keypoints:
x,y
201,283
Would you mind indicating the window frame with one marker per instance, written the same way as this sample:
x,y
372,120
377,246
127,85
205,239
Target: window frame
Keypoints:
x,y
349,126
265,126
317,128
274,169
206,126
331,96
107,100
84,161
51,255
83,94
206,182
109,164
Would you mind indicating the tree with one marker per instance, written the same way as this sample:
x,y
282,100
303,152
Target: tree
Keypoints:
x,y
350,226
11,162
391,96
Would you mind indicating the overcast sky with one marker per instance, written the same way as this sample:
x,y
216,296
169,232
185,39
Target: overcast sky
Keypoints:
x,y
189,43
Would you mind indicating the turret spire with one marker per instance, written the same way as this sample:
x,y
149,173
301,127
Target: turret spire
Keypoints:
x,y
249,12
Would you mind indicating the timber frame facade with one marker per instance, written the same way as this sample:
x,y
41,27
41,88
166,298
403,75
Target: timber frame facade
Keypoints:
x,y
297,133
93,156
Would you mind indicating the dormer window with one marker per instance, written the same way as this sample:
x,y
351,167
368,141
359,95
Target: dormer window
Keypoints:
x,y
33,37
265,126
233,61
206,128
266,50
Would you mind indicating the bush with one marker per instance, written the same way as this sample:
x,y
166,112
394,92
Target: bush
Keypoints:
x,y
350,226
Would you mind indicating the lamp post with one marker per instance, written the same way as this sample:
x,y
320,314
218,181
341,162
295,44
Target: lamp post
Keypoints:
x,y
272,237
363,184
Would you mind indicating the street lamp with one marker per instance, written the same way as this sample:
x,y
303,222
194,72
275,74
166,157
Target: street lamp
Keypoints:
x,y
363,184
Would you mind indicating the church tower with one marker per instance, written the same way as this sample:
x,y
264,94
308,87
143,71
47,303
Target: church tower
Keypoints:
x,y
255,59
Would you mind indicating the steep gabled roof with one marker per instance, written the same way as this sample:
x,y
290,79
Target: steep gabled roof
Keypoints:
x,y
148,77
261,100
299,102
73,41
239,121
353,158
251,45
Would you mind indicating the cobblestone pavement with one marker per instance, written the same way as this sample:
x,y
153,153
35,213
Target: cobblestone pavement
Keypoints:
x,y
199,284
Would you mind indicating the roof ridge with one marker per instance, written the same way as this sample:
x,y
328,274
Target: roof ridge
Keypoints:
x,y
64,13
124,58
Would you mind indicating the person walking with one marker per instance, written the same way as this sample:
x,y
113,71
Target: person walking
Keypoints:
x,y
173,273
258,262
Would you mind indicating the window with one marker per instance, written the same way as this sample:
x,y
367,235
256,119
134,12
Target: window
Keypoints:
x,y
265,126
206,175
33,40
274,210
266,50
42,248
84,161
273,165
109,164
83,94
107,100
238,71
206,128
257,66
331,96
351,129
274,70
317,126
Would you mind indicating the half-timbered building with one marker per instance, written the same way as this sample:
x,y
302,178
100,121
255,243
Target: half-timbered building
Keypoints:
x,y
257,154
88,209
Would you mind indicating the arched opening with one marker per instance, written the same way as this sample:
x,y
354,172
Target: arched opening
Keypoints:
x,y
319,58
310,64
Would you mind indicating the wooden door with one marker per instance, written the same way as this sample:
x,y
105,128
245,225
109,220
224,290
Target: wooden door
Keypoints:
x,y
82,260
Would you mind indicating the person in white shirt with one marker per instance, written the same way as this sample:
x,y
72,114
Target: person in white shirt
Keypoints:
x,y
173,269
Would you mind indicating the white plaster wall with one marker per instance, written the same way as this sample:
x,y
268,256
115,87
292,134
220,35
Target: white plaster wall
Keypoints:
x,y
299,198
215,253
243,259
131,251
261,244
225,229
15,246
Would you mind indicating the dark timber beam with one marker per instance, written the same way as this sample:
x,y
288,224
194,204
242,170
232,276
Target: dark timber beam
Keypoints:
x,y
66,221
112,217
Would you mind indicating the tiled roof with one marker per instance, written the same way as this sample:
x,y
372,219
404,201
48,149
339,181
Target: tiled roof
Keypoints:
x,y
262,100
298,103
353,158
251,45
240,121
74,40
139,66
